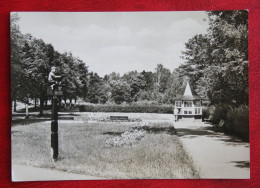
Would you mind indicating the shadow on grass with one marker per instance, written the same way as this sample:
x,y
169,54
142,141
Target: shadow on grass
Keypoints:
x,y
113,133
150,130
28,121
43,115
14,132
19,118
241,164
159,130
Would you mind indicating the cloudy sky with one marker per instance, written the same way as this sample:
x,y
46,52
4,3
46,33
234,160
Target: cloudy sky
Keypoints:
x,y
117,41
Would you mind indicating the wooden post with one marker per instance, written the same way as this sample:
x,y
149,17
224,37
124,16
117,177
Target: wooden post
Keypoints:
x,y
54,130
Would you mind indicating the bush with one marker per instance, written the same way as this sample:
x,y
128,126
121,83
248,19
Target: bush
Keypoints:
x,y
164,109
205,113
237,122
220,112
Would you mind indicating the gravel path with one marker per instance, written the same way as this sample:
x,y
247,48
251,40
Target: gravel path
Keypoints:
x,y
216,155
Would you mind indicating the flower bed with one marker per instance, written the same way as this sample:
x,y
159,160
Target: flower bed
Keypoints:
x,y
129,137
126,138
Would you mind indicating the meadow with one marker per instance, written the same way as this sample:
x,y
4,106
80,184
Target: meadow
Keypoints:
x,y
150,151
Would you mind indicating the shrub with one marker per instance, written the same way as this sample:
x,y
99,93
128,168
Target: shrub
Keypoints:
x,y
166,109
237,122
205,113
220,112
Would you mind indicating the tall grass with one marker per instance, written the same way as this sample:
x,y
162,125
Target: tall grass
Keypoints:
x,y
159,154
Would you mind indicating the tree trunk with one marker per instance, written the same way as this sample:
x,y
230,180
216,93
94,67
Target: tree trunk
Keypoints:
x,y
41,106
59,101
75,100
65,103
46,103
26,111
70,103
35,102
46,98
14,105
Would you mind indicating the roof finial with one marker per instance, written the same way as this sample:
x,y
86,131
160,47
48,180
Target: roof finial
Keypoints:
x,y
187,78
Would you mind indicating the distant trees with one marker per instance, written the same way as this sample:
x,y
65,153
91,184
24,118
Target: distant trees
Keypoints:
x,y
136,82
95,93
121,91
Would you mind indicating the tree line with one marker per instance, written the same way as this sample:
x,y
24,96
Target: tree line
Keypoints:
x,y
216,63
31,63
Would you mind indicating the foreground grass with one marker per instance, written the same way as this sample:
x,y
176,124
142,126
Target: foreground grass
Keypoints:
x,y
159,154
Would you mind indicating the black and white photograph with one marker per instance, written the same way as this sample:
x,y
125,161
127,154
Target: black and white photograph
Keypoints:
x,y
129,95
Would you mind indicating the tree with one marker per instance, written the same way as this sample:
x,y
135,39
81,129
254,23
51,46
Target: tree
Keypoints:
x,y
136,82
16,67
149,80
120,91
175,86
217,62
37,66
94,88
31,63
83,77
197,57
161,77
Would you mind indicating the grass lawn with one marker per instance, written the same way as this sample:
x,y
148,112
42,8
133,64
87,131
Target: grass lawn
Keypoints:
x,y
82,150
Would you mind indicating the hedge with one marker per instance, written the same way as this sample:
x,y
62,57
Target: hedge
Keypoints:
x,y
163,109
237,122
220,112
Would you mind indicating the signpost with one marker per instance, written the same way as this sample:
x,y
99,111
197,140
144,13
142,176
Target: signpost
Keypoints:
x,y
54,130
55,81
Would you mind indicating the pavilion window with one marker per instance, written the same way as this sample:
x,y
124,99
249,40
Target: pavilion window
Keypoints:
x,y
197,110
178,103
187,103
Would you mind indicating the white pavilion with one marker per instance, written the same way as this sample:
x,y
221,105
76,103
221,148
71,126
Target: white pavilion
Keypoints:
x,y
188,104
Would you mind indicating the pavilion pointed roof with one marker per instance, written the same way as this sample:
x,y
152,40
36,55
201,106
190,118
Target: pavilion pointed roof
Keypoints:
x,y
187,91
188,94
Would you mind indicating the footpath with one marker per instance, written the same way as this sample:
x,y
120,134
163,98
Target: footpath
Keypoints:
x,y
29,173
215,154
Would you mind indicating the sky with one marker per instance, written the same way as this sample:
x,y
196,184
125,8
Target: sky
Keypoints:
x,y
117,41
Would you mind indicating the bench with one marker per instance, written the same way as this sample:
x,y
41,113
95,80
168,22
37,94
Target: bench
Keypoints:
x,y
121,118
